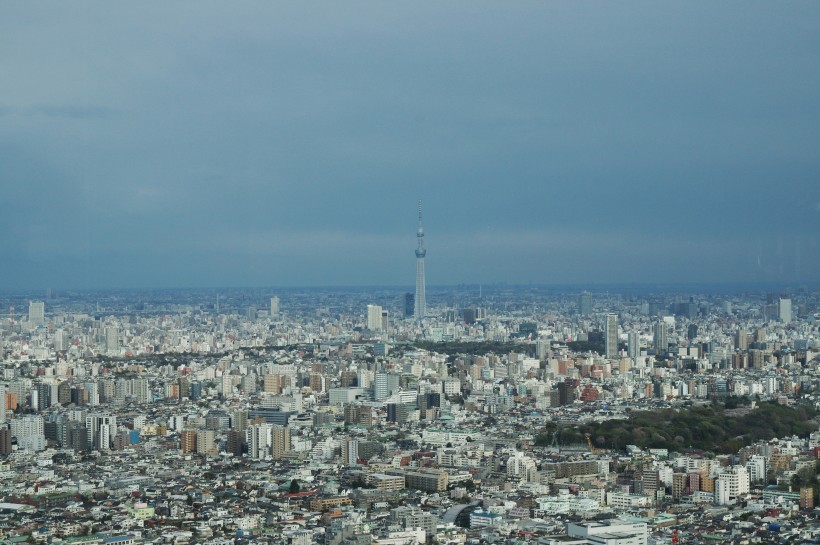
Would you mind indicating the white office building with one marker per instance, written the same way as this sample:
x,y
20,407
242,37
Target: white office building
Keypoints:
x,y
374,318
611,532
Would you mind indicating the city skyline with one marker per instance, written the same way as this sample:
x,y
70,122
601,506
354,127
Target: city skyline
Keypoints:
x,y
283,145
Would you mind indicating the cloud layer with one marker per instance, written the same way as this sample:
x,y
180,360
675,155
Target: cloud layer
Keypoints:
x,y
202,144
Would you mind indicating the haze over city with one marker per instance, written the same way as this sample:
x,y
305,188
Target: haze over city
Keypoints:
x,y
273,144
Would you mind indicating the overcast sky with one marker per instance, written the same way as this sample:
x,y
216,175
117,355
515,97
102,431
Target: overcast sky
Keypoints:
x,y
176,144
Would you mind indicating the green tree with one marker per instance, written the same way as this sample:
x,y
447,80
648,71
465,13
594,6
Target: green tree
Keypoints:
x,y
294,487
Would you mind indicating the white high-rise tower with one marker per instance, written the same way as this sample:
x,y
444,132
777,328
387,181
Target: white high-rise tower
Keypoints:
x,y
611,338
420,309
374,318
37,312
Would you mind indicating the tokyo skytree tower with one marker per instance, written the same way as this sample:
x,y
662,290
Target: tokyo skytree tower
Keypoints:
x,y
420,308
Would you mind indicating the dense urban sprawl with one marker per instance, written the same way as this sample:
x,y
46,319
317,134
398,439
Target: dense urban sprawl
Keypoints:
x,y
504,415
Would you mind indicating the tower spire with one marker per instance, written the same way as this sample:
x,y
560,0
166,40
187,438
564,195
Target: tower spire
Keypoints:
x,y
420,309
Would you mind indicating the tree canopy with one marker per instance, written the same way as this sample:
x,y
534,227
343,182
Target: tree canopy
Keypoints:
x,y
709,428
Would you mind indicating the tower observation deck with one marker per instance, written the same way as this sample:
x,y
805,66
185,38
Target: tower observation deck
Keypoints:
x,y
420,306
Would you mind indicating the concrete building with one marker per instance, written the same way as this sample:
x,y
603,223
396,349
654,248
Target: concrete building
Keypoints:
x,y
36,313
374,318
611,532
611,336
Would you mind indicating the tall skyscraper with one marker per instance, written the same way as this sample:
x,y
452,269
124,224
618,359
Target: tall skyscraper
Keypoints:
x,y
611,339
633,345
274,308
741,339
2,404
784,310
384,385
37,309
409,304
112,339
660,339
374,317
585,303
420,306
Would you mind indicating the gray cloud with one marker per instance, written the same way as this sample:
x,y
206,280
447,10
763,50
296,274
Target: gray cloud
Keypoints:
x,y
198,143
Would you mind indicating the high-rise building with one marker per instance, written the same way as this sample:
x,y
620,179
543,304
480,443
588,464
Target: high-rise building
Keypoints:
x,y
806,497
741,340
659,335
692,331
196,390
280,442
239,420
731,483
611,338
61,340
374,317
36,312
140,391
420,303
184,388
384,385
566,392
274,308
236,442
266,439
112,339
41,396
409,304
206,442
101,428
784,310
273,384
5,441
585,303
30,432
259,438
397,412
188,441
633,344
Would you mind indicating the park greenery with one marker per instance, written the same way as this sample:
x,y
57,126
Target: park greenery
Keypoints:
x,y
478,348
587,346
712,428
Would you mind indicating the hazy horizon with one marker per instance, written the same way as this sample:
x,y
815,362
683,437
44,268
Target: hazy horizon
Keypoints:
x,y
568,289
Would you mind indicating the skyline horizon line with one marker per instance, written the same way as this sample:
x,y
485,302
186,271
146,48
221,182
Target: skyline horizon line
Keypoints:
x,y
408,288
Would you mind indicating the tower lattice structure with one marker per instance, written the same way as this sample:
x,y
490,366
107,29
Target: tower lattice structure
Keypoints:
x,y
420,303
